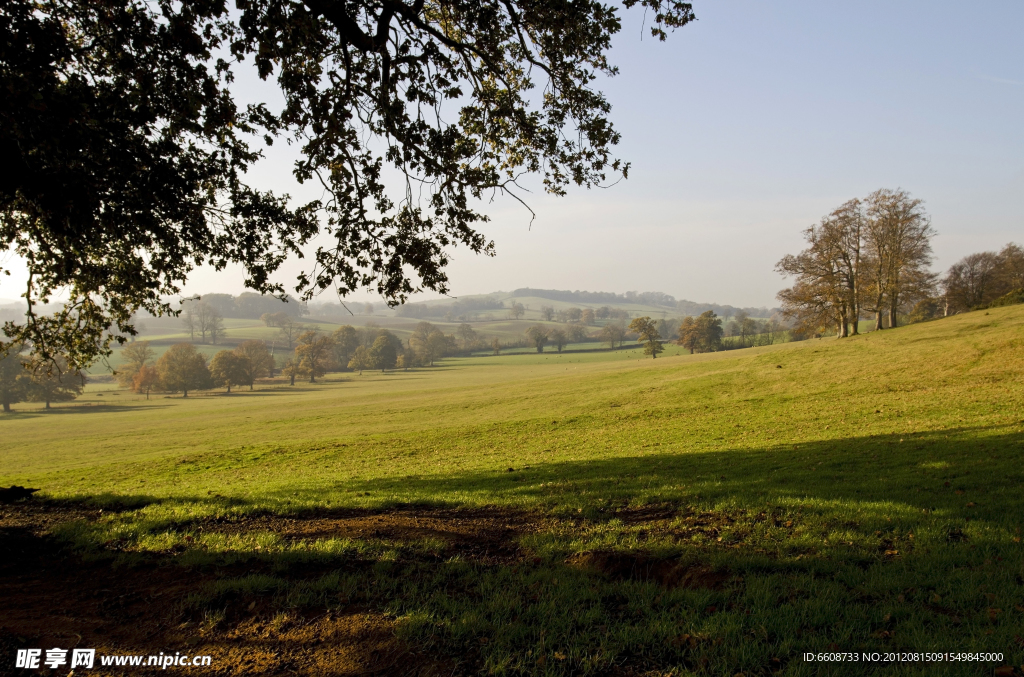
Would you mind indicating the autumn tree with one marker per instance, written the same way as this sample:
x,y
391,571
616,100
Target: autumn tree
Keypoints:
x,y
558,338
538,334
314,353
183,368
468,336
228,368
134,357
382,354
146,379
257,361
292,368
576,332
587,317
346,338
53,381
613,333
276,319
428,343
289,330
972,281
516,311
702,334
898,252
1011,267
14,378
647,331
360,360
496,345
547,313
189,320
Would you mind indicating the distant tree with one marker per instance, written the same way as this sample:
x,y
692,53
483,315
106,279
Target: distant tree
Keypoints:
x,y
215,326
228,369
603,312
183,368
539,335
346,339
147,378
647,330
53,381
315,353
516,310
749,328
1011,267
134,357
558,338
14,378
382,354
368,309
468,336
689,338
289,331
587,317
259,363
292,368
972,281
360,360
547,313
496,345
613,333
573,315
575,331
189,320
428,343
702,334
276,319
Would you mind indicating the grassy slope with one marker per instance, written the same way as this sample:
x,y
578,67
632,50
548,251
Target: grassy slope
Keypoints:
x,y
865,495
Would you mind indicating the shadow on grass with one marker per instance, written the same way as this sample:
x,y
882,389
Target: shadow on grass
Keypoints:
x,y
882,543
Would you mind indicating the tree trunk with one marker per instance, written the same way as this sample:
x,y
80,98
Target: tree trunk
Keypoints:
x,y
293,379
47,404
892,316
186,393
7,407
229,388
878,320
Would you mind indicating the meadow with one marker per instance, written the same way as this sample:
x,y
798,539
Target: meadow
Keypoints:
x,y
582,513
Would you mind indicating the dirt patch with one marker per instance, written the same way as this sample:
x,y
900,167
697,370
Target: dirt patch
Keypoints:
x,y
488,536
642,567
55,598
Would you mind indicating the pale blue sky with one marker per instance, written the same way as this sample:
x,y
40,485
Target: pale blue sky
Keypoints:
x,y
749,125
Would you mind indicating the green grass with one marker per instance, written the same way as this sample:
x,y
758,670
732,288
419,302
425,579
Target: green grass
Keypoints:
x,y
855,495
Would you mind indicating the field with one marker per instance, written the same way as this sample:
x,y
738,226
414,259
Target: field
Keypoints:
x,y
588,513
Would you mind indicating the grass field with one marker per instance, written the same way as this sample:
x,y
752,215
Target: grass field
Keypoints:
x,y
588,513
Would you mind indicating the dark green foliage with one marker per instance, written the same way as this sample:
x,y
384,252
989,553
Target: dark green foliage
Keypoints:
x,y
1010,299
125,152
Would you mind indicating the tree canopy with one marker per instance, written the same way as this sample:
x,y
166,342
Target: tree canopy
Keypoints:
x,y
126,149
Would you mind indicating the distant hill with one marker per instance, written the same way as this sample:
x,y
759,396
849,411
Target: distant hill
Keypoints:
x,y
474,304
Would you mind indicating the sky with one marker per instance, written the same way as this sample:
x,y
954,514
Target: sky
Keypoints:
x,y
745,128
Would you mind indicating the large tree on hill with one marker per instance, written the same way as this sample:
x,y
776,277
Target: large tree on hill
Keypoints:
x,y
125,151
134,357
538,335
183,368
259,363
229,369
314,353
702,334
898,252
647,330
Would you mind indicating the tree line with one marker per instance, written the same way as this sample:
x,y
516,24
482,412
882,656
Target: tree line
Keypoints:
x,y
872,257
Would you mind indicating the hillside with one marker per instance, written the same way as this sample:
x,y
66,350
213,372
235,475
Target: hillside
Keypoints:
x,y
716,513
